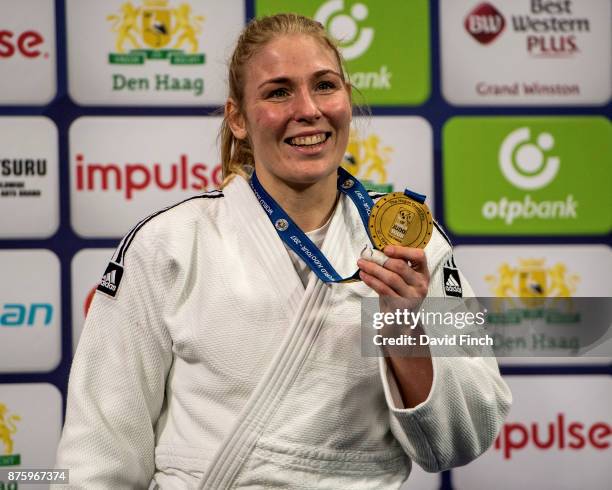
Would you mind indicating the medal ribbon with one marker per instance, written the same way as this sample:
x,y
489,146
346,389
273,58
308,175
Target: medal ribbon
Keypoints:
x,y
298,241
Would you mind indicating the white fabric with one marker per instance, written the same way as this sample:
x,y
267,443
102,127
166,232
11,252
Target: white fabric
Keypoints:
x,y
213,367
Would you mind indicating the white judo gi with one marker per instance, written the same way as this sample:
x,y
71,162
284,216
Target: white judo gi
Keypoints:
x,y
213,367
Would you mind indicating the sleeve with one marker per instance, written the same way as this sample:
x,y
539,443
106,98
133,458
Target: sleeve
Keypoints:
x,y
464,411
117,380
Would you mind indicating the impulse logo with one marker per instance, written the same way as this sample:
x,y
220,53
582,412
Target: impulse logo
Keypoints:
x,y
485,23
25,44
558,435
132,177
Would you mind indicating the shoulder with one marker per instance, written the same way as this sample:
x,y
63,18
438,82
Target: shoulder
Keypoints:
x,y
161,241
172,224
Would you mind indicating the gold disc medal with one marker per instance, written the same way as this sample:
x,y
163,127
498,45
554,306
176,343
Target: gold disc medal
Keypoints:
x,y
397,219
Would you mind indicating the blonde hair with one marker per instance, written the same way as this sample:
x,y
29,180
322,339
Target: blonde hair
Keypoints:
x,y
237,154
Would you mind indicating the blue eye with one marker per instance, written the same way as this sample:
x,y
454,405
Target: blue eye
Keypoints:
x,y
326,85
278,93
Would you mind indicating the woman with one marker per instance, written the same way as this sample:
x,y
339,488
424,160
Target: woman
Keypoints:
x,y
220,361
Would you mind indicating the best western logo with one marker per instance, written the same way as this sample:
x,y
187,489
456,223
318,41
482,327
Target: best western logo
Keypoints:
x,y
133,177
528,175
558,435
485,23
550,30
156,32
27,44
26,314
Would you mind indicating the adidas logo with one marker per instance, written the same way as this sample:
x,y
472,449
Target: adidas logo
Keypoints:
x,y
452,285
111,279
108,281
452,282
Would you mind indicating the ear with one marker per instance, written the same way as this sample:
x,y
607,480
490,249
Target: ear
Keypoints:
x,y
235,119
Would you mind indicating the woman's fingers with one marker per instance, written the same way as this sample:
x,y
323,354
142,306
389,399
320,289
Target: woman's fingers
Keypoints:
x,y
405,274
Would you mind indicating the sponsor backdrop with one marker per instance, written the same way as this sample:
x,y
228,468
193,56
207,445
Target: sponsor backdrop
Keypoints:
x,y
497,110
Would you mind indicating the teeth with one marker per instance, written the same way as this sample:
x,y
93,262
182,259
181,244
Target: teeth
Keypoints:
x,y
308,140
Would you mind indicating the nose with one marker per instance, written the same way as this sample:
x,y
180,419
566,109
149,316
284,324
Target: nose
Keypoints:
x,y
305,106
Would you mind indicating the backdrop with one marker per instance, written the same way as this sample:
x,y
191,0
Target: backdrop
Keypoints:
x,y
497,110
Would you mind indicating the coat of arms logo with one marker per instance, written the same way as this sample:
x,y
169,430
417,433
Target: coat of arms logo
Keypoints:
x,y
156,31
367,159
7,429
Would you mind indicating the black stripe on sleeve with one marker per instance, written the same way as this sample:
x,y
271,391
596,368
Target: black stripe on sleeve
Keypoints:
x,y
127,241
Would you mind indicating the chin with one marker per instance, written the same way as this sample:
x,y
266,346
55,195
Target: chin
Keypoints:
x,y
309,176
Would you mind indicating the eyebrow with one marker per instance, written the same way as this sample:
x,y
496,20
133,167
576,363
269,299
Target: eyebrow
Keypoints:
x,y
283,80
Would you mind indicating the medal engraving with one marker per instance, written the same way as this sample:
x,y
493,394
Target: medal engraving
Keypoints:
x,y
396,219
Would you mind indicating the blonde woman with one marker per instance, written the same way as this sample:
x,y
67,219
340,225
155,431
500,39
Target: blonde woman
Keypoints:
x,y
228,358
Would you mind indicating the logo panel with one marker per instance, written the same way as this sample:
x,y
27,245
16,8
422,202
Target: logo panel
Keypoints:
x,y
124,168
526,52
368,38
30,314
533,176
529,279
547,435
150,52
27,52
390,153
88,266
29,194
528,271
30,426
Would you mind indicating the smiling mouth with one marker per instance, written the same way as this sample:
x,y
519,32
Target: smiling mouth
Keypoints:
x,y
309,141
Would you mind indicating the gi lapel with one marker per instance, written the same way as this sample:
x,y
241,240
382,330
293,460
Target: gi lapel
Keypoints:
x,y
253,225
310,312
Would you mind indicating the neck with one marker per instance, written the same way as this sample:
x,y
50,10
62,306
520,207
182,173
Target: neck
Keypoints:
x,y
309,206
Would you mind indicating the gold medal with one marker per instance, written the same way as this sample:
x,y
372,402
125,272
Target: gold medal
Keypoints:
x,y
397,219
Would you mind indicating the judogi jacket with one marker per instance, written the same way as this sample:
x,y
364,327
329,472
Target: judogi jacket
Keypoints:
x,y
205,363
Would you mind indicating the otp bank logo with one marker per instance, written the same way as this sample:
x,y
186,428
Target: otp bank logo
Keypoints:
x,y
524,164
484,23
557,435
130,178
26,44
354,41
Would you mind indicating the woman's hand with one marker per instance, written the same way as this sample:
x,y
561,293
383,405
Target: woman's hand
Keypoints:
x,y
402,283
404,275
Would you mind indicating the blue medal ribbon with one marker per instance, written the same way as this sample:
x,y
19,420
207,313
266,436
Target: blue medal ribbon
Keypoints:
x,y
298,241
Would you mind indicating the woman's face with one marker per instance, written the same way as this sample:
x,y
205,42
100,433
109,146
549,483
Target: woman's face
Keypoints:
x,y
296,111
